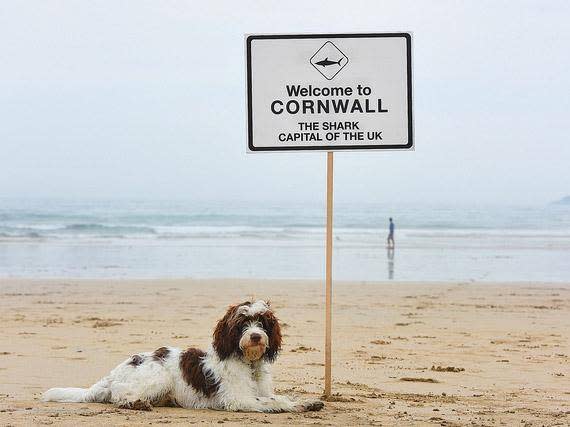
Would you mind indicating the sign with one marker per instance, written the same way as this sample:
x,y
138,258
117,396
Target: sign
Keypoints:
x,y
329,92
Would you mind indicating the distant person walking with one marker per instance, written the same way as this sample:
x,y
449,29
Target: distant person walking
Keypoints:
x,y
391,234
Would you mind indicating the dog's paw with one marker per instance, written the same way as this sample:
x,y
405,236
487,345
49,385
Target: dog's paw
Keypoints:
x,y
309,405
137,405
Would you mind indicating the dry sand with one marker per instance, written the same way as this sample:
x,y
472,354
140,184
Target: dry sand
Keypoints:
x,y
499,352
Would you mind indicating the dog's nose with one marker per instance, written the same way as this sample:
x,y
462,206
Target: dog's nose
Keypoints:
x,y
255,337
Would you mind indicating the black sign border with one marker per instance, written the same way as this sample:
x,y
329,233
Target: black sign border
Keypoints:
x,y
408,146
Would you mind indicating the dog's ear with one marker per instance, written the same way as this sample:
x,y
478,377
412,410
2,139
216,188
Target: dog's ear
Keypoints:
x,y
273,331
226,335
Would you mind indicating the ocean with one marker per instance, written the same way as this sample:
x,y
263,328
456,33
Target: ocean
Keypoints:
x,y
159,239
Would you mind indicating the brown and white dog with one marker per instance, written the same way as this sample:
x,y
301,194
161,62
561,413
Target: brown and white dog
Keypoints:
x,y
232,375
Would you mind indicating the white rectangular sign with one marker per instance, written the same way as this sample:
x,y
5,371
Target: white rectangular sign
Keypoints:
x,y
329,92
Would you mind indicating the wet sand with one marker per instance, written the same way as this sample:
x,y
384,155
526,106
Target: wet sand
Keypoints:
x,y
403,354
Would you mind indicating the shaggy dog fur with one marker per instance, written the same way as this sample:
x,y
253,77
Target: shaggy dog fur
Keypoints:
x,y
232,375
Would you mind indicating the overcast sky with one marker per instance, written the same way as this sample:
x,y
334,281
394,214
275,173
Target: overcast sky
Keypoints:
x,y
146,99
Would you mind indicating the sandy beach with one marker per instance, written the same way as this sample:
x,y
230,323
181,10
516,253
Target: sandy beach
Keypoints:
x,y
404,353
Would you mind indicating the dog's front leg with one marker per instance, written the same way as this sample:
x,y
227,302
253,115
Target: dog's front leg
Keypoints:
x,y
285,404
239,391
265,390
264,381
298,405
269,404
262,404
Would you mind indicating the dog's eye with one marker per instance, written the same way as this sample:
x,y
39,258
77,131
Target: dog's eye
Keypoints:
x,y
266,324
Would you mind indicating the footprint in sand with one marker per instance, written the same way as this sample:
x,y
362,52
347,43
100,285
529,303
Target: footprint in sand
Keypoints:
x,y
303,349
105,324
446,369
376,360
380,342
419,380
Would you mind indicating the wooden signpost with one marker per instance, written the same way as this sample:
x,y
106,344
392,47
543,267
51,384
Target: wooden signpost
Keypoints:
x,y
329,92
328,276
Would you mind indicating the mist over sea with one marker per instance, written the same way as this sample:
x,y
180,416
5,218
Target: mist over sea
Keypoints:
x,y
149,239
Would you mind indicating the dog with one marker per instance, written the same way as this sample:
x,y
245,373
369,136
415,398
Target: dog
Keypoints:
x,y
232,375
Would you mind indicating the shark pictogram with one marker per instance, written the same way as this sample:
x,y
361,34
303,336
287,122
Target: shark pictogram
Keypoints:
x,y
329,60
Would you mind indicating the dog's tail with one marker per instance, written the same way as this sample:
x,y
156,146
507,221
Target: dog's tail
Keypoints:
x,y
98,392
70,394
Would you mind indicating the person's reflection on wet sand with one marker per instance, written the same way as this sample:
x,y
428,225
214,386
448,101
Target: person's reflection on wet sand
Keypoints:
x,y
390,263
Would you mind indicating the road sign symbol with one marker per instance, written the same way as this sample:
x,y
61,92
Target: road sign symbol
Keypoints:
x,y
329,60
